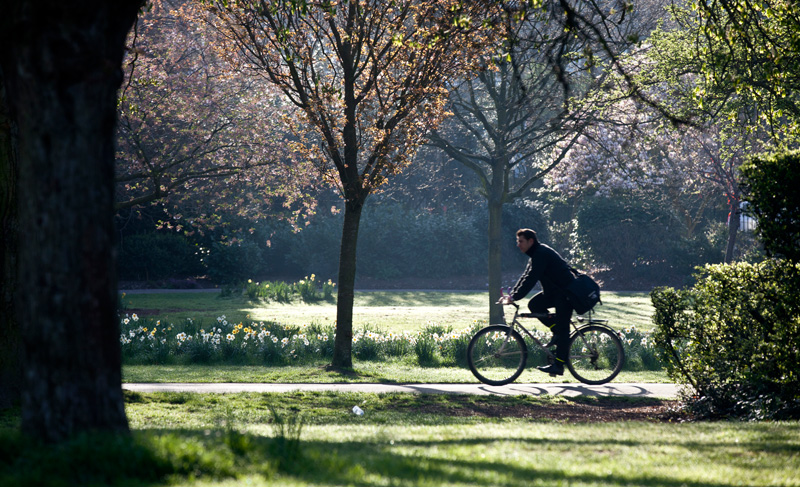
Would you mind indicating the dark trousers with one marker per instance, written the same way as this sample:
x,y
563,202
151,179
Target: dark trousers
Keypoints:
x,y
559,324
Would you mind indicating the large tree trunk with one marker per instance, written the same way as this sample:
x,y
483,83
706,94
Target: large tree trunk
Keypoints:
x,y
496,197
10,342
63,72
495,259
343,344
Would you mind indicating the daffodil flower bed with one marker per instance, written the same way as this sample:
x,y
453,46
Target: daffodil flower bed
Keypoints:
x,y
148,341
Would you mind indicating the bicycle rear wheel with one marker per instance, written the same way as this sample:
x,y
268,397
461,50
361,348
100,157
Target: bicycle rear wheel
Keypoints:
x,y
497,355
595,354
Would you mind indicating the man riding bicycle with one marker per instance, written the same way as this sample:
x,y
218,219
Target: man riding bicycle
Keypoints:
x,y
548,267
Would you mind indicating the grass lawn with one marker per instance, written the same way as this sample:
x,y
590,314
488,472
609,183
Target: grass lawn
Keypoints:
x,y
382,310
366,372
401,440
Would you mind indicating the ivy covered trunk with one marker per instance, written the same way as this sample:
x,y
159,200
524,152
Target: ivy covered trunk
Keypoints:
x,y
63,71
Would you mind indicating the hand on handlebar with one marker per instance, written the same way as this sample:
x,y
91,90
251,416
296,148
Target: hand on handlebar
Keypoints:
x,y
506,300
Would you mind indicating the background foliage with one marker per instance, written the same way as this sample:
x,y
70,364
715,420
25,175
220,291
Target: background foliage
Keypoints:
x,y
635,242
394,242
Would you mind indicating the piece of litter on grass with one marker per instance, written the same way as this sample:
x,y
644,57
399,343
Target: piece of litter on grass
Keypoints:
x,y
358,411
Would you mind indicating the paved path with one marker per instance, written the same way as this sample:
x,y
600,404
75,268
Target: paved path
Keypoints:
x,y
666,391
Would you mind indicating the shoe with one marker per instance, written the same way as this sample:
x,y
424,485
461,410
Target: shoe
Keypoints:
x,y
553,369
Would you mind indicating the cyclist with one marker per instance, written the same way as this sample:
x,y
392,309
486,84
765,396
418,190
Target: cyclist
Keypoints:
x,y
548,267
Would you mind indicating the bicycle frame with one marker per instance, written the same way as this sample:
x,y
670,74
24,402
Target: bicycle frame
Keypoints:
x,y
497,354
517,325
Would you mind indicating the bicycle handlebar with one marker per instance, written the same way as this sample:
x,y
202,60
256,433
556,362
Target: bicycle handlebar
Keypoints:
x,y
503,295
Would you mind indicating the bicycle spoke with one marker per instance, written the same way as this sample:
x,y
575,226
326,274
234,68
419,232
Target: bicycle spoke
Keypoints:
x,y
497,355
596,355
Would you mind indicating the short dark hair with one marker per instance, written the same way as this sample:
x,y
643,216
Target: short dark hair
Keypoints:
x,y
528,234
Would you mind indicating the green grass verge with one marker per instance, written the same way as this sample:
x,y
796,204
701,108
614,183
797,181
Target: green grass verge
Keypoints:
x,y
383,310
409,440
254,412
363,372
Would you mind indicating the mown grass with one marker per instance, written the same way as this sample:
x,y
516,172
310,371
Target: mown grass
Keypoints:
x,y
382,311
402,439
363,372
254,412
388,311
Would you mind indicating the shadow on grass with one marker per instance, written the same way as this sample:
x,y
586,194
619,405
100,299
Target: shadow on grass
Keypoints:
x,y
153,457
482,458
349,375
368,464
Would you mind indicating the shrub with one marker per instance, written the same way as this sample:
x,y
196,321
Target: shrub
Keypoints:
x,y
154,256
733,338
770,185
639,239
233,262
308,289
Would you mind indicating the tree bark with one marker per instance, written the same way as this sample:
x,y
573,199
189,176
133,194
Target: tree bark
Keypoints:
x,y
343,344
495,258
63,71
10,341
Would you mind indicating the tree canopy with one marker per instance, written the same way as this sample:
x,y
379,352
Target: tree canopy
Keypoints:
x,y
194,135
752,49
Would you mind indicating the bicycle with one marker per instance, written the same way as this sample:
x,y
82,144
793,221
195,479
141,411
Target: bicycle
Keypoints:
x,y
497,354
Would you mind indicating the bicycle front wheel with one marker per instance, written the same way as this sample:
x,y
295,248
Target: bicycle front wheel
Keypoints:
x,y
497,355
595,354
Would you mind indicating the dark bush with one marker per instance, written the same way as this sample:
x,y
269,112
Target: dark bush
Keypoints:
x,y
154,256
395,242
734,337
235,262
639,239
770,184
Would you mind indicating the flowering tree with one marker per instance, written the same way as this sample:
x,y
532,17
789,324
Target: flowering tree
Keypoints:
x,y
369,77
194,135
637,150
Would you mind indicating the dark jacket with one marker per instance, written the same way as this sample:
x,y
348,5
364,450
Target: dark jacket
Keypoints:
x,y
546,266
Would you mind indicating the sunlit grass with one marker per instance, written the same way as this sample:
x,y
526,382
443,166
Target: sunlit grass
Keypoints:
x,y
396,372
402,439
385,310
399,442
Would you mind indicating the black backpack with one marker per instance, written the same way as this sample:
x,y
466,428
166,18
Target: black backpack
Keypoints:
x,y
583,292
